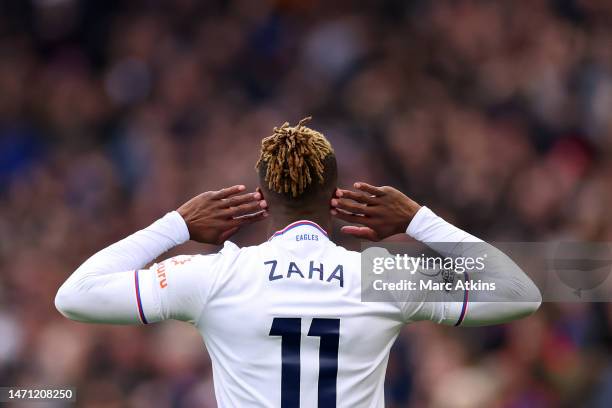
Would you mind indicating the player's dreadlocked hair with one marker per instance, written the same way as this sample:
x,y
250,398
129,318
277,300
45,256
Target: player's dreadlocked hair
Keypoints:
x,y
294,158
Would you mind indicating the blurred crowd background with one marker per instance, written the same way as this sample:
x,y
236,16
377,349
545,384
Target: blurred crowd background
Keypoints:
x,y
496,114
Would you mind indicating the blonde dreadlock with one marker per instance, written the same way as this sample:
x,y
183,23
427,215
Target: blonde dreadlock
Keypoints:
x,y
293,155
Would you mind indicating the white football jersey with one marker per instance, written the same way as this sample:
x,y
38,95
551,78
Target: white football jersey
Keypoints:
x,y
283,321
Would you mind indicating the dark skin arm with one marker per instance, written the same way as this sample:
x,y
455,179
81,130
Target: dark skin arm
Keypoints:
x,y
383,211
212,217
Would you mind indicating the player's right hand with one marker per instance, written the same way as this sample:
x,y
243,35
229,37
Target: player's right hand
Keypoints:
x,y
383,211
214,216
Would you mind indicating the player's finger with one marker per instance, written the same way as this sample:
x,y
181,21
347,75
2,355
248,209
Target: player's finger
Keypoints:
x,y
249,218
228,191
360,232
240,199
244,209
368,188
348,217
350,206
359,196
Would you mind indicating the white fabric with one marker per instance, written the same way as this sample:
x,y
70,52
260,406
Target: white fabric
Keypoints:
x,y
233,297
102,289
515,294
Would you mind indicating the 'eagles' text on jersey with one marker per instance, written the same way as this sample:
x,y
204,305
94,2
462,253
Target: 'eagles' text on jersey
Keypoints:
x,y
283,321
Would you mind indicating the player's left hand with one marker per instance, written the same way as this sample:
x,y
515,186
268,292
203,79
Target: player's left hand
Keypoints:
x,y
383,211
214,216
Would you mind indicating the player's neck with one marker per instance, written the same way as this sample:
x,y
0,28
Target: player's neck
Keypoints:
x,y
280,220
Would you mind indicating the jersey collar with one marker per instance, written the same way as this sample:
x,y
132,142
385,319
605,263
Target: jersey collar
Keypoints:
x,y
297,224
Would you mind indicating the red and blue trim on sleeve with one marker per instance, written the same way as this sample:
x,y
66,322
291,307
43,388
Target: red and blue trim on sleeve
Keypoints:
x,y
141,314
465,302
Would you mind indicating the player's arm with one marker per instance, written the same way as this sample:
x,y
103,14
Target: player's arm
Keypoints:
x,y
112,287
385,211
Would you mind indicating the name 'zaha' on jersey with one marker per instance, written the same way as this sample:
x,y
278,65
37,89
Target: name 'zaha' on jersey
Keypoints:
x,y
315,271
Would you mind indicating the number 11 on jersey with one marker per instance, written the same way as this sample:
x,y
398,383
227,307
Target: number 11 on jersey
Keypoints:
x,y
290,331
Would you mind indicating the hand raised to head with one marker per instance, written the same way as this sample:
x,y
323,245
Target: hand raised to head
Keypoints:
x,y
212,217
383,211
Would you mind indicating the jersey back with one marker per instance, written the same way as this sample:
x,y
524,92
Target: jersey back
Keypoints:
x,y
285,325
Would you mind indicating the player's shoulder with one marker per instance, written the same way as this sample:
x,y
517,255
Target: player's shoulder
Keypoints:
x,y
231,253
227,252
356,255
346,253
